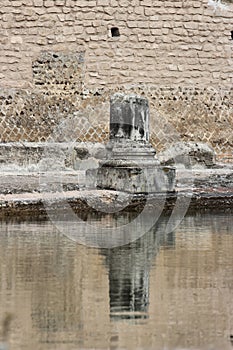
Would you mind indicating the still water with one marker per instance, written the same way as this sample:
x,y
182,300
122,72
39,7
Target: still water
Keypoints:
x,y
164,291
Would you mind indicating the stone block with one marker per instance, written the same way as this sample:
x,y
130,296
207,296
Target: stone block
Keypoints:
x,y
134,178
16,40
188,154
38,3
48,3
16,3
150,11
60,2
148,3
102,2
191,25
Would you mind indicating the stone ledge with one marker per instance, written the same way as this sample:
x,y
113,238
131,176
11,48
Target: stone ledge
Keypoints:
x,y
31,205
35,155
22,196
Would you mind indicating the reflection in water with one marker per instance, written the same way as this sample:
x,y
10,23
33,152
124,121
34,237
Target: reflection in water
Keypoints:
x,y
172,291
129,270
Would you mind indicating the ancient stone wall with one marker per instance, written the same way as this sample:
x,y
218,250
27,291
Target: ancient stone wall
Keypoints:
x,y
124,41
60,60
176,114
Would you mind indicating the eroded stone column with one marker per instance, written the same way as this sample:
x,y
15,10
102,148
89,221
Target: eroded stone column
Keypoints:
x,y
129,129
129,118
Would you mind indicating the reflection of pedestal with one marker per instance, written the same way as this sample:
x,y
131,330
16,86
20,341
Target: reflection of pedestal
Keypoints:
x,y
132,166
129,268
129,272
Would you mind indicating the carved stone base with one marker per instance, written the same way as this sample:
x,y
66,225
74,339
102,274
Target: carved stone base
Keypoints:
x,y
131,150
131,164
135,178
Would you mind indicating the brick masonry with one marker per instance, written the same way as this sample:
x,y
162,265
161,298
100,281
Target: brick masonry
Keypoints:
x,y
58,59
160,42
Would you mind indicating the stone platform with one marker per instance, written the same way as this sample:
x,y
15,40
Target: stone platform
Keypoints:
x,y
21,196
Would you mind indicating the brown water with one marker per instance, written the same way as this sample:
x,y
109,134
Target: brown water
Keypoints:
x,y
172,291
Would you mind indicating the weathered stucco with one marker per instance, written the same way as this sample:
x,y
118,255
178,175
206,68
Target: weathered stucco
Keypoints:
x,y
160,42
59,65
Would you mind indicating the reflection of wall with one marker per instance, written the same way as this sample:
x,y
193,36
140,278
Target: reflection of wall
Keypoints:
x,y
53,289
59,291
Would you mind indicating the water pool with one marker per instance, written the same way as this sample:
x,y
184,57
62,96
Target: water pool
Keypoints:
x,y
163,291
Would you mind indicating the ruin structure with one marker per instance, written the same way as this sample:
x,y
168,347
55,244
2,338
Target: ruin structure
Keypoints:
x,y
59,56
123,41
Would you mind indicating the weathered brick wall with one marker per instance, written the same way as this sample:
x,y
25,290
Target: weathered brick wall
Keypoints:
x,y
59,64
182,113
160,42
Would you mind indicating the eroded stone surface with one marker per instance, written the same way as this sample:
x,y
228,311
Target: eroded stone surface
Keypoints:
x,y
189,113
129,118
136,178
43,155
131,165
161,43
188,154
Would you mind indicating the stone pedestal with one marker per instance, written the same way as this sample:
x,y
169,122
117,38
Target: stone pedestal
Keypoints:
x,y
132,165
135,178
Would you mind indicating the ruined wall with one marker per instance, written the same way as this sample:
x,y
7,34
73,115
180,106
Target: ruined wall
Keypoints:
x,y
160,42
182,113
60,60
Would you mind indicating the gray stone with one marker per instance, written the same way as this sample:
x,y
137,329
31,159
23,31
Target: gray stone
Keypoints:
x,y
131,165
75,155
129,117
135,178
189,154
90,163
97,150
81,152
